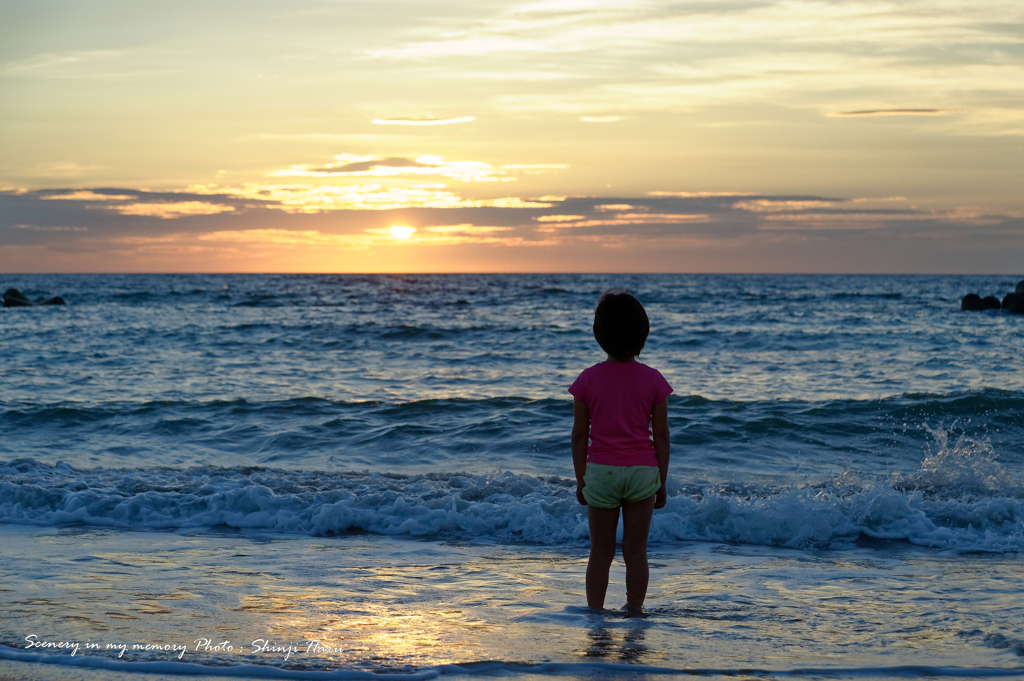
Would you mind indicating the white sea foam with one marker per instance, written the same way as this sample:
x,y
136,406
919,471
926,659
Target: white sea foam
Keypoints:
x,y
960,500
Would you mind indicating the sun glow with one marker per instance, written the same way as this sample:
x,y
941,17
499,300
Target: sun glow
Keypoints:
x,y
402,232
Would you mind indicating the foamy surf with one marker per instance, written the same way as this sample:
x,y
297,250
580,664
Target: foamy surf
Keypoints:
x,y
960,499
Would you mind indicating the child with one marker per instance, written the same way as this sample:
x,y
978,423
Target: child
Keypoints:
x,y
616,405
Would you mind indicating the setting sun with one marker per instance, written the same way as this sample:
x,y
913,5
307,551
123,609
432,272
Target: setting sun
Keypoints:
x,y
402,232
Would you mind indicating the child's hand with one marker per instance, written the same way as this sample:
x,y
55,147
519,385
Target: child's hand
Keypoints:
x,y
579,493
660,497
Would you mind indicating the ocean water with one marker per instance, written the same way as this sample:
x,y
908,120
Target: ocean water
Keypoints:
x,y
214,470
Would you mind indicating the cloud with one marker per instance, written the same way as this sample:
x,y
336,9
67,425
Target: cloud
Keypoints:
x,y
287,237
466,228
38,228
164,205
256,228
558,218
828,58
894,112
535,166
170,210
600,119
699,195
397,167
368,166
59,170
779,205
650,28
423,121
307,198
624,219
526,76
54,63
86,195
438,235
318,136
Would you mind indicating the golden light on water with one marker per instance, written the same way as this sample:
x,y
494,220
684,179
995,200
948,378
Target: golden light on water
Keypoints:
x,y
402,232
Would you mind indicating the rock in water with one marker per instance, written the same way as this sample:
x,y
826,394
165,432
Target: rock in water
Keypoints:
x,y
971,303
15,298
57,300
990,303
1014,302
1020,287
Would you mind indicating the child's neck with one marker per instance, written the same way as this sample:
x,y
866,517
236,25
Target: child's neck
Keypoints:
x,y
620,361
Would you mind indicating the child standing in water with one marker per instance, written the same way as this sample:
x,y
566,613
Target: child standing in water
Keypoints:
x,y
618,404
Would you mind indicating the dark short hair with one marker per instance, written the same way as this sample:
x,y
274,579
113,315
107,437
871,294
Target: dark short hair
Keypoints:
x,y
620,324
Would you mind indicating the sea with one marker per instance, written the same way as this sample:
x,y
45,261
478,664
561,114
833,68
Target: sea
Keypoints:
x,y
369,477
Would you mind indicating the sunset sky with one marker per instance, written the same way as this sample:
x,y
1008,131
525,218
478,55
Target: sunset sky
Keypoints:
x,y
552,136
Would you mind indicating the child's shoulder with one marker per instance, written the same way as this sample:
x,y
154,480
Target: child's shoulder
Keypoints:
x,y
619,368
647,369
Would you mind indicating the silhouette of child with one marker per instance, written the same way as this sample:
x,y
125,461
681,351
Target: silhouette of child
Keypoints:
x,y
618,405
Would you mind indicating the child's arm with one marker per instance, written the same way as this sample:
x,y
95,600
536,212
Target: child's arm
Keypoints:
x,y
659,428
580,436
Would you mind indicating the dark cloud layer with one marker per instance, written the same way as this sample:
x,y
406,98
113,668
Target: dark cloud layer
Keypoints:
x,y
654,233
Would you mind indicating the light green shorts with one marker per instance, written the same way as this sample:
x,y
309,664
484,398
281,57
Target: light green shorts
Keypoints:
x,y
609,486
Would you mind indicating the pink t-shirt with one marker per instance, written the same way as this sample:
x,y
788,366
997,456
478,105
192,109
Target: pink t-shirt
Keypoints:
x,y
620,397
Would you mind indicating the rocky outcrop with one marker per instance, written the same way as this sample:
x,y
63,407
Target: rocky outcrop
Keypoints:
x,y
971,303
15,298
1012,302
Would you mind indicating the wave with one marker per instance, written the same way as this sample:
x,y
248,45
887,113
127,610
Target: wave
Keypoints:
x,y
721,439
797,414
960,499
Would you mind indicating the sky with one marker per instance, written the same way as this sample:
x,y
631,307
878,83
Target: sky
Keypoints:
x,y
480,136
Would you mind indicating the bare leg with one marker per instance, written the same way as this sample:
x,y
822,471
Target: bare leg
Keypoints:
x,y
636,525
603,523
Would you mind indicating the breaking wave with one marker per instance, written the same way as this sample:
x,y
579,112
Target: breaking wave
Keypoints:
x,y
960,499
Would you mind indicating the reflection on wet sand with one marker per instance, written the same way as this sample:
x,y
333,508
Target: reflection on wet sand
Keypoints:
x,y
628,646
377,604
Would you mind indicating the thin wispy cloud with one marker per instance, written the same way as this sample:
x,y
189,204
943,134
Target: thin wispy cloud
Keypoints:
x,y
48,228
423,121
816,55
782,205
353,165
894,112
401,167
559,218
84,195
55,63
466,228
172,209
59,170
698,195
319,136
